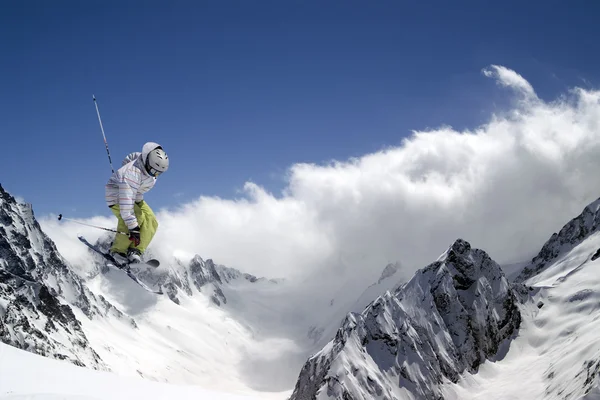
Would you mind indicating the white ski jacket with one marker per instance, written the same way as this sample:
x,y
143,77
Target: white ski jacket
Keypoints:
x,y
129,183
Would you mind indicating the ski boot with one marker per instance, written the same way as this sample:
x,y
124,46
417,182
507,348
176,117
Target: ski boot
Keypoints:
x,y
120,258
134,256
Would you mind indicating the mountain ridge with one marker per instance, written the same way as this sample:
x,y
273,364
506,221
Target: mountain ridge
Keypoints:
x,y
37,290
569,236
417,322
412,341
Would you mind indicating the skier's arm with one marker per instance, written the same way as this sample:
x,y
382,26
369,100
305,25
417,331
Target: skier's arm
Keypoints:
x,y
128,188
130,157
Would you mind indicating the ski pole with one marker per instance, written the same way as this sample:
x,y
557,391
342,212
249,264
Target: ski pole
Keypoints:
x,y
60,218
103,135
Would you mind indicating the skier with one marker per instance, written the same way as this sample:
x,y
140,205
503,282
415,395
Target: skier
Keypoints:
x,y
125,197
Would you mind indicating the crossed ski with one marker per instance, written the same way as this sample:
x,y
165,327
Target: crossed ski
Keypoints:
x,y
124,267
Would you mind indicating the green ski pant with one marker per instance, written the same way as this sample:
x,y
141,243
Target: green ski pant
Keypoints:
x,y
146,221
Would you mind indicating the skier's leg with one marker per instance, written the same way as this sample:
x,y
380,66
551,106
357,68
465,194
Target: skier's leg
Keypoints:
x,y
121,242
148,224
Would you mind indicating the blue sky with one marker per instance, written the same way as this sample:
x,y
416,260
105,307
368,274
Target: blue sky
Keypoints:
x,y
239,90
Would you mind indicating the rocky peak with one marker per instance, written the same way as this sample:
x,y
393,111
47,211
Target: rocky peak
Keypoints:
x,y
449,318
206,276
6,197
204,272
209,277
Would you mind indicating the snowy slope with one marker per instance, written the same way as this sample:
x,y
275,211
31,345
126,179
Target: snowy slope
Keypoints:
x,y
28,376
185,336
573,233
216,326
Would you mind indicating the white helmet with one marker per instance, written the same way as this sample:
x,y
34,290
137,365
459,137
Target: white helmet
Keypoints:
x,y
157,162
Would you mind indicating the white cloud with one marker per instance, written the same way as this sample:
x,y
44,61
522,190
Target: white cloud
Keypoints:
x,y
505,187
509,78
64,234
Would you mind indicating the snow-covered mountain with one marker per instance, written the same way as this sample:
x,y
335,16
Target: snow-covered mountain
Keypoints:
x,y
38,292
556,354
99,318
459,329
449,318
212,321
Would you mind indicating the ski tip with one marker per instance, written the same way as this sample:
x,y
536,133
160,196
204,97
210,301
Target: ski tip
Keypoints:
x,y
153,263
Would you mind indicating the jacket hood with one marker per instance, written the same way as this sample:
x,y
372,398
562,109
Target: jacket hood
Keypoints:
x,y
148,147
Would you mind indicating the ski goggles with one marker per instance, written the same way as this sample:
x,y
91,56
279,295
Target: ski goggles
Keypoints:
x,y
154,172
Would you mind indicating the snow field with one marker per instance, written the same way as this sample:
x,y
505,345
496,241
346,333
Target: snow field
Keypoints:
x,y
27,376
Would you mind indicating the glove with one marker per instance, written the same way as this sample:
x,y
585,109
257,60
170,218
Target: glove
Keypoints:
x,y
134,235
